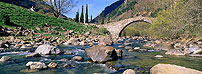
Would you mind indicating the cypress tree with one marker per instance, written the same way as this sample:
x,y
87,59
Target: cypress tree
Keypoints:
x,y
91,19
102,18
86,17
77,16
82,16
108,20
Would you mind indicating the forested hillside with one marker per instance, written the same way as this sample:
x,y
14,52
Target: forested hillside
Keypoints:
x,y
133,8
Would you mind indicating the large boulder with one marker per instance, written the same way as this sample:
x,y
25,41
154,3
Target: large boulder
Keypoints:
x,y
101,53
36,65
172,69
47,49
129,71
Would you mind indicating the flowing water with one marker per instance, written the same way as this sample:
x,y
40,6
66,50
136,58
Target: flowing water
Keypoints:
x,y
141,62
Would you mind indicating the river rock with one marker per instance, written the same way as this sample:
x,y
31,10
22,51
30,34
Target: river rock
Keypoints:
x,y
127,44
175,52
67,65
36,65
179,46
101,53
119,52
120,46
172,69
52,65
100,73
198,51
105,41
68,53
163,46
47,49
4,58
128,47
71,41
150,44
158,56
33,55
195,55
77,58
141,50
129,71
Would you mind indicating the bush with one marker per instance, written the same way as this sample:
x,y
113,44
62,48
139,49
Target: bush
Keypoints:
x,y
41,11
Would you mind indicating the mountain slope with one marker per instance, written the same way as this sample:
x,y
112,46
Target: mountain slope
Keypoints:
x,y
109,9
12,15
133,8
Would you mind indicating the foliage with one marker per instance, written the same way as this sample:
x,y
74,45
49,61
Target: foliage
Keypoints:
x,y
77,16
29,19
102,18
56,6
108,20
102,31
136,29
82,16
182,18
91,19
133,8
41,11
86,17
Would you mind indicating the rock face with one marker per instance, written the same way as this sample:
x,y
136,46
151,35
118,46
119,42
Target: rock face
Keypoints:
x,y
129,71
36,65
100,53
47,49
172,69
4,58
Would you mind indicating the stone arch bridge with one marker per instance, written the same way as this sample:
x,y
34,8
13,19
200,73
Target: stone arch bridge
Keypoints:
x,y
115,28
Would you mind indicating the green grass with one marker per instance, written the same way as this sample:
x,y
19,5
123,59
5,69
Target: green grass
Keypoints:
x,y
28,19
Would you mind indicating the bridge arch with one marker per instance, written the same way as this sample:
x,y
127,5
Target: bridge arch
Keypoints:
x,y
130,23
116,27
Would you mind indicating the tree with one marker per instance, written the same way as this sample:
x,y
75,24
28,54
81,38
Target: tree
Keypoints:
x,y
82,16
57,7
102,18
108,20
91,19
77,16
86,17
180,19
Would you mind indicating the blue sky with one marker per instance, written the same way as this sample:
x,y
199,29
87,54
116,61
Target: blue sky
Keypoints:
x,y
94,6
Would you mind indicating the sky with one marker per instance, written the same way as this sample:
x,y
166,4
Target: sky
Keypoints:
x,y
95,7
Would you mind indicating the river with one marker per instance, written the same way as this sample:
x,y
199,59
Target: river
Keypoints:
x,y
141,62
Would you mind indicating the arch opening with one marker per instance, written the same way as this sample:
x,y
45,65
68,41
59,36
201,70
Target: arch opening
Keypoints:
x,y
135,28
